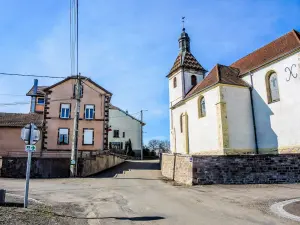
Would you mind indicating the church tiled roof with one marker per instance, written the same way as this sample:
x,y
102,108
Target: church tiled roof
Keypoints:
x,y
186,60
219,74
269,52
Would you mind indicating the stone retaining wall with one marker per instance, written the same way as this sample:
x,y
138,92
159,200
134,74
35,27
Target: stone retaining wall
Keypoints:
x,y
238,169
100,163
183,168
15,167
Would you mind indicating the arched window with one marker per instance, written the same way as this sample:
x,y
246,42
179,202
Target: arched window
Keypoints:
x,y
174,82
272,87
193,80
181,123
201,107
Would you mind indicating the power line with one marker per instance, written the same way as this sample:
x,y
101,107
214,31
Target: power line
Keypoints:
x,y
91,87
14,103
14,95
25,103
28,75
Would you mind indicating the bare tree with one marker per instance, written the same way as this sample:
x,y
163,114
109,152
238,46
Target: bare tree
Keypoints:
x,y
153,144
162,145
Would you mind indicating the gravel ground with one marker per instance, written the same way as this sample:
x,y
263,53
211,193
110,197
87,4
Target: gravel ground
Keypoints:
x,y
13,213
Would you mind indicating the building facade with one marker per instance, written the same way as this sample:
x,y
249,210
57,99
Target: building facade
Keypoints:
x,y
248,107
122,128
53,112
59,116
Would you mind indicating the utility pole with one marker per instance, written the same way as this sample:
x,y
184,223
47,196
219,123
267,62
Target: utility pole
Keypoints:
x,y
74,151
142,144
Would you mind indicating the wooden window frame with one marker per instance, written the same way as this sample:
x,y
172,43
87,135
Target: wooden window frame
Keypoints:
x,y
60,111
93,142
37,100
93,114
192,79
174,82
114,134
267,81
58,143
200,113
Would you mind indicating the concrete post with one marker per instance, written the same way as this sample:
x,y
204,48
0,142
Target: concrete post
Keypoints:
x,y
2,196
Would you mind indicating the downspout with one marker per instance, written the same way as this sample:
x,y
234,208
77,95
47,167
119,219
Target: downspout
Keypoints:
x,y
253,115
33,98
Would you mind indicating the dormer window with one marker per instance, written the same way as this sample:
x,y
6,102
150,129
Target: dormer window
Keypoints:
x,y
174,82
40,101
193,80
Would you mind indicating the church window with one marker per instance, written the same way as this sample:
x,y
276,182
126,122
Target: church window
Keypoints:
x,y
201,107
181,123
174,82
193,80
272,87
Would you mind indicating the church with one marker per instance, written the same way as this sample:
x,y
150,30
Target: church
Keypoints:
x,y
249,107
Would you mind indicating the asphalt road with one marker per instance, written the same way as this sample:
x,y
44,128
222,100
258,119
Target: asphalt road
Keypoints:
x,y
133,193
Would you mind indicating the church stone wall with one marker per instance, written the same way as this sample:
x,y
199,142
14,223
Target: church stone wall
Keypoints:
x,y
234,169
278,123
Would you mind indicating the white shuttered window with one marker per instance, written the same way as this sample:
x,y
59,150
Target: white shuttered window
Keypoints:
x,y
88,136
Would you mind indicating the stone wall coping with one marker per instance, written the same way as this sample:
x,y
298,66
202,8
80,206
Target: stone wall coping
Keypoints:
x,y
244,155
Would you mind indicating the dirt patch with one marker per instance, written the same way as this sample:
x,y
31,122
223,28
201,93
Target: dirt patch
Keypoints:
x,y
172,182
293,208
13,213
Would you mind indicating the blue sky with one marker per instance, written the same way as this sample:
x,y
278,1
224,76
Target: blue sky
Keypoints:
x,y
129,46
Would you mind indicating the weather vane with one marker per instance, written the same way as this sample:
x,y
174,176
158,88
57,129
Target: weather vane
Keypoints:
x,y
183,22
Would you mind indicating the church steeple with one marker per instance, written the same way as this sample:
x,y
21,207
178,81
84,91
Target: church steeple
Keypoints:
x,y
184,40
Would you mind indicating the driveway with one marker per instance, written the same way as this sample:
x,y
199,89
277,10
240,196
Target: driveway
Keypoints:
x,y
133,193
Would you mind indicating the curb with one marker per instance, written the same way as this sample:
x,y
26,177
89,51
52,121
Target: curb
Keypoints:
x,y
277,208
20,196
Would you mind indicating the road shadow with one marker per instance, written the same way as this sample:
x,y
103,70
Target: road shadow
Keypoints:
x,y
135,218
12,204
126,166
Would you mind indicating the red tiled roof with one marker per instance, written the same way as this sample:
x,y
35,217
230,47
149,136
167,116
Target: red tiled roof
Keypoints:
x,y
219,74
186,60
20,119
276,48
40,91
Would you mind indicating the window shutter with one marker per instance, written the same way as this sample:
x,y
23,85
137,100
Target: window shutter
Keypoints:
x,y
88,136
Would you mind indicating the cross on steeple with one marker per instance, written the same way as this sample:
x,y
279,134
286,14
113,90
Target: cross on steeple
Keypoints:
x,y
182,18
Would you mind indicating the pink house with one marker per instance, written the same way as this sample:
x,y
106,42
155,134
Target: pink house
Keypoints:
x,y
59,116
54,114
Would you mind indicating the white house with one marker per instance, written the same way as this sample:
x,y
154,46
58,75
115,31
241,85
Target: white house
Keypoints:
x,y
251,106
122,127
